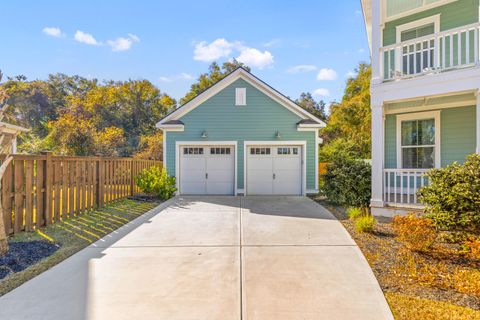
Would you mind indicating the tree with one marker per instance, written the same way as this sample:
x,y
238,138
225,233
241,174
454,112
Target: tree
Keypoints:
x,y
307,102
215,73
150,146
348,127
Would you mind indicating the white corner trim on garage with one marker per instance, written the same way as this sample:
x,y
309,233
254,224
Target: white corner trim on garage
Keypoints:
x,y
301,143
180,144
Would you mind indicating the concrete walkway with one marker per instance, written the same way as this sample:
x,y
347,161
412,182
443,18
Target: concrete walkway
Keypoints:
x,y
211,258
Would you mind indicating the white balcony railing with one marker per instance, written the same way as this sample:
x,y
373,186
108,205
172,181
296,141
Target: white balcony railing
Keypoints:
x,y
454,48
400,186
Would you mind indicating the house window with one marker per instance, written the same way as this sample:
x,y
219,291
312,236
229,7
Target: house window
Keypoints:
x,y
240,96
287,150
418,144
219,151
418,56
260,151
191,150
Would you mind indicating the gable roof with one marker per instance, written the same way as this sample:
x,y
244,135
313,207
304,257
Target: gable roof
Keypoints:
x,y
240,73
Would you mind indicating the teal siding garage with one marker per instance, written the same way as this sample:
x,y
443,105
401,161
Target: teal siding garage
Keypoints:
x,y
242,137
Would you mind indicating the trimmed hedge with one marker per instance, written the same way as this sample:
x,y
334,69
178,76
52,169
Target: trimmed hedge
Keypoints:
x,y
453,196
348,182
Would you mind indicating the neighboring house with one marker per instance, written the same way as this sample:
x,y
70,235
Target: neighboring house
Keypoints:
x,y
425,93
241,136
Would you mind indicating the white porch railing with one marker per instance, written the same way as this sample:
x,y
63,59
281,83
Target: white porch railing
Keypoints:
x,y
400,186
454,48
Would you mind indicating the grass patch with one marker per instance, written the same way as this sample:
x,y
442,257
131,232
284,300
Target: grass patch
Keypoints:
x,y
74,234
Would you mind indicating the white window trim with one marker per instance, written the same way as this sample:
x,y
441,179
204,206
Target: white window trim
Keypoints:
x,y
419,116
435,19
240,92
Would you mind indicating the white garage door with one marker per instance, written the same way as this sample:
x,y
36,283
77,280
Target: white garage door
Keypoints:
x,y
207,170
274,170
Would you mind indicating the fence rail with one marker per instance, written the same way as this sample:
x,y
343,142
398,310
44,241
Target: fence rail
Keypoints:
x,y
39,190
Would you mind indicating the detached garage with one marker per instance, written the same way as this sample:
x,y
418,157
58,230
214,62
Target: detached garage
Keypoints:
x,y
242,137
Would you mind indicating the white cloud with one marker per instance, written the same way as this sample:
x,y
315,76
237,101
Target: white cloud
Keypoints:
x,y
181,76
327,74
350,74
321,92
86,38
123,44
361,50
209,52
222,48
255,58
134,37
53,32
358,12
272,43
302,68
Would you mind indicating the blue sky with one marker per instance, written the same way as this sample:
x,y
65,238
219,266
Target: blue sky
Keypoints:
x,y
294,46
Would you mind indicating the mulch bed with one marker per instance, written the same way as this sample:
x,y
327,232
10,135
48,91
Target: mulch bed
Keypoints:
x,y
144,198
383,252
21,255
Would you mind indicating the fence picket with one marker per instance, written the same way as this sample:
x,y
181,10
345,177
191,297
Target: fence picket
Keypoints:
x,y
38,190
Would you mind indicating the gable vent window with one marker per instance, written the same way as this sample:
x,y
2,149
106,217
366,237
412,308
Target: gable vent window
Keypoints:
x,y
240,96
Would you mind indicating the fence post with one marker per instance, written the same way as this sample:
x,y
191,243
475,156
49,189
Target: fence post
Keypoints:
x,y
47,202
132,178
101,182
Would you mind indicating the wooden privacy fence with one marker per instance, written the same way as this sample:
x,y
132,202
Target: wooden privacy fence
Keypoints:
x,y
39,190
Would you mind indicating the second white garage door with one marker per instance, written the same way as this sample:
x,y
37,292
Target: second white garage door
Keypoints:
x,y
207,170
274,170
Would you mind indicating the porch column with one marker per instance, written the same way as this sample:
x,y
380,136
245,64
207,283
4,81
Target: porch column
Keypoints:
x,y
376,42
478,121
378,132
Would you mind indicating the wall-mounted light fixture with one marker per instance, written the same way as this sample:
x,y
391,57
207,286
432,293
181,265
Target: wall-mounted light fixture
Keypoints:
x,y
278,135
204,134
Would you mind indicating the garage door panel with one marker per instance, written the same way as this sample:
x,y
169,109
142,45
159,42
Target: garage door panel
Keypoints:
x,y
287,188
221,188
208,172
193,187
279,172
260,188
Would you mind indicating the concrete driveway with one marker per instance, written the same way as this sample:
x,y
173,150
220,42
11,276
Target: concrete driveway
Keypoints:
x,y
211,258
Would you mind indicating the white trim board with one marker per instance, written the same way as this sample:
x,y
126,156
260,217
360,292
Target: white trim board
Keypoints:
x,y
302,143
178,144
418,116
240,73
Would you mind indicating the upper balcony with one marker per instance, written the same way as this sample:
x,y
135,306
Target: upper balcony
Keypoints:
x,y
435,53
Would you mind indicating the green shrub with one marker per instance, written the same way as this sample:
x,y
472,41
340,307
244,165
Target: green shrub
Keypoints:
x,y
156,182
365,223
452,198
348,182
354,213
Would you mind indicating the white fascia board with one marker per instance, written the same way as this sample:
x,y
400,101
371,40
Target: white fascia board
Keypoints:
x,y
239,74
462,80
171,127
311,125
